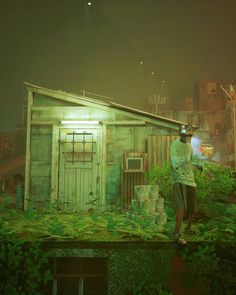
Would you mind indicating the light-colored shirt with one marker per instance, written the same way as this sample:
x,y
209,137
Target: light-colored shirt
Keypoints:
x,y
181,163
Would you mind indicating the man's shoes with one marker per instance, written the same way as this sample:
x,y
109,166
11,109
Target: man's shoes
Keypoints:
x,y
178,239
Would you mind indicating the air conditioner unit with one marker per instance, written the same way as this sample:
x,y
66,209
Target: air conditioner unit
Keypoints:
x,y
134,163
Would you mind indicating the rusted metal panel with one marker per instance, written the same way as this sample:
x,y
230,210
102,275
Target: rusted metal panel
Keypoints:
x,y
158,148
132,178
129,181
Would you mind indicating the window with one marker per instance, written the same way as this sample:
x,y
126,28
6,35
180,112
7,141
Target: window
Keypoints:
x,y
79,276
79,147
211,88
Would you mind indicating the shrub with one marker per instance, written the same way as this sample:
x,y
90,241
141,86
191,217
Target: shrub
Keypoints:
x,y
213,181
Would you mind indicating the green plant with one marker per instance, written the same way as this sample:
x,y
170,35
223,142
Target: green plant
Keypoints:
x,y
209,272
215,181
149,286
21,267
161,175
6,201
30,213
56,227
140,216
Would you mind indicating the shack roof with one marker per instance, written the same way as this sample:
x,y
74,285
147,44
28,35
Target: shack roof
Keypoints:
x,y
101,103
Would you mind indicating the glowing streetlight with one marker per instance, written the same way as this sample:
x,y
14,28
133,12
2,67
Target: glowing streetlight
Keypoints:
x,y
89,3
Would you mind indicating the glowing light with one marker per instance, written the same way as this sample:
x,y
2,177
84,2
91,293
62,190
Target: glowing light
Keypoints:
x,y
79,122
89,3
141,62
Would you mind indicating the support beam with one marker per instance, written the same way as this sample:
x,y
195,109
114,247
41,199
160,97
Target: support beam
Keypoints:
x,y
28,145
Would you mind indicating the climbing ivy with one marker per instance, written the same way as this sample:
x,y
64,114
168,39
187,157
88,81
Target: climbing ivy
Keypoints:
x,y
21,266
149,286
209,272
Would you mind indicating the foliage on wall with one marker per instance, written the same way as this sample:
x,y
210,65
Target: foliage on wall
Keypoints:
x,y
209,271
21,267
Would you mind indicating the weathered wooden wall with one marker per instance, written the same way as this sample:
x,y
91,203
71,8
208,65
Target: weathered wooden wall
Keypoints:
x,y
40,166
119,138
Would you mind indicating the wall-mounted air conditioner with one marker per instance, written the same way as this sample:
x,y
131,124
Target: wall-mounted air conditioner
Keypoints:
x,y
134,163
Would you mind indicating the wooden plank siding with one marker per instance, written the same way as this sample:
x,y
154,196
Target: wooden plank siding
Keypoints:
x,y
158,148
129,181
122,130
40,165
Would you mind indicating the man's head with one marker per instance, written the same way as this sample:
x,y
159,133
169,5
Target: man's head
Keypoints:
x,y
185,131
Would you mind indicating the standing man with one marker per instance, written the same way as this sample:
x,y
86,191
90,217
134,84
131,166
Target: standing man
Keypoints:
x,y
184,186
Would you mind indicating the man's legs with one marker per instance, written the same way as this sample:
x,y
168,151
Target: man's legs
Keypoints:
x,y
176,234
191,207
179,202
179,220
189,224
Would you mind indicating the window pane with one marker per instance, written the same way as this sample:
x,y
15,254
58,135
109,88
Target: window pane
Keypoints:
x,y
95,286
68,265
94,265
66,286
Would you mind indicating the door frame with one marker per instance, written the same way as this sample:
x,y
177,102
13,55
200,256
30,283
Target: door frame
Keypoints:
x,y
101,129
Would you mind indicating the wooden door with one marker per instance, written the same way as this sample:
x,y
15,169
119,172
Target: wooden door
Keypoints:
x,y
78,168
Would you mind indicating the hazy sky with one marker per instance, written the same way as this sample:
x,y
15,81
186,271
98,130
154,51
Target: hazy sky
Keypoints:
x,y
71,46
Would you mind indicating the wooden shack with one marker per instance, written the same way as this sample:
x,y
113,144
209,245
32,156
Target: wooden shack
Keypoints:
x,y
84,152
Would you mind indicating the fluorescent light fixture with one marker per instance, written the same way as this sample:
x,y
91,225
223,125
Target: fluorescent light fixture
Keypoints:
x,y
80,122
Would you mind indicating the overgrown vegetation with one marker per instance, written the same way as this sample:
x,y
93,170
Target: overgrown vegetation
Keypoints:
x,y
149,286
209,271
94,226
215,224
211,266
22,267
213,180
216,218
215,187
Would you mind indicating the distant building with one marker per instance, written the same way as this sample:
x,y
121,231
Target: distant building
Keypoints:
x,y
230,123
7,142
209,110
12,159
